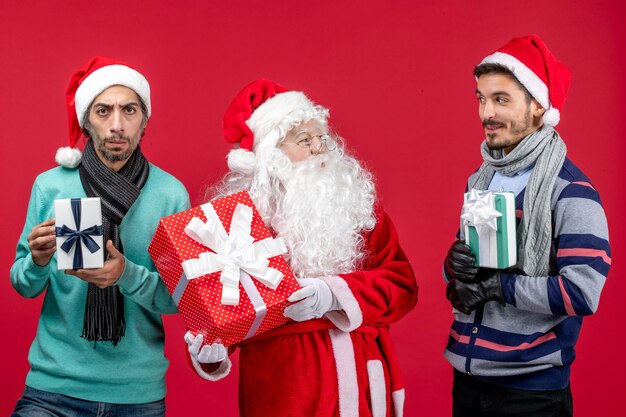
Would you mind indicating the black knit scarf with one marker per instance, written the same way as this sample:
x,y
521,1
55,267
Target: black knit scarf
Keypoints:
x,y
104,309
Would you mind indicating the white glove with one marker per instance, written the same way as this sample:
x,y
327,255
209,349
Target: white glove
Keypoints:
x,y
213,353
315,299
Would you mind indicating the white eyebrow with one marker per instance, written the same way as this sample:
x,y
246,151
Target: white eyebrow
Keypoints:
x,y
298,133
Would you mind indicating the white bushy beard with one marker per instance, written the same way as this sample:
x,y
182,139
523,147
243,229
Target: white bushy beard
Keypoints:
x,y
321,207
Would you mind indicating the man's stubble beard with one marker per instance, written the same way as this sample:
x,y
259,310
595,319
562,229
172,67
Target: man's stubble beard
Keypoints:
x,y
99,144
116,157
514,132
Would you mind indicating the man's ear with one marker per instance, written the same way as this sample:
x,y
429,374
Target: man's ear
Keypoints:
x,y
85,133
145,125
537,109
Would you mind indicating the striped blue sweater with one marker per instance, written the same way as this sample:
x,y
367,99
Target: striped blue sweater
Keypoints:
x,y
528,343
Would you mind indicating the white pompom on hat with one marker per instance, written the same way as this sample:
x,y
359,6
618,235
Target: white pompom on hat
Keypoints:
x,y
254,119
536,68
98,74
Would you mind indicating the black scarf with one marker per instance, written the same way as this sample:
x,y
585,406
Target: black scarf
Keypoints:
x,y
104,309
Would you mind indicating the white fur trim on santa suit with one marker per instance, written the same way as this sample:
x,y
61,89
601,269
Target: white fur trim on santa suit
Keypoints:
x,y
535,86
378,389
350,316
105,77
347,381
219,373
398,402
68,157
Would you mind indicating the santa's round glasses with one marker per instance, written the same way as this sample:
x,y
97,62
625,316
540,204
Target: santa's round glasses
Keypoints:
x,y
307,141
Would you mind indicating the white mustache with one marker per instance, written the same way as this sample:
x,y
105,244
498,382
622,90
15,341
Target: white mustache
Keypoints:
x,y
313,162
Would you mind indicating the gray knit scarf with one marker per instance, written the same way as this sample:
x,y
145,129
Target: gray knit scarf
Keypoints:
x,y
546,150
104,308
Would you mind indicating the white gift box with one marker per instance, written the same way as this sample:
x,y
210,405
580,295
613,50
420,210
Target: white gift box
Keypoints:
x,y
79,233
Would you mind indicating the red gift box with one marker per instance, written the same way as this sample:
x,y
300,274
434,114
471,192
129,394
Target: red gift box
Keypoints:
x,y
231,286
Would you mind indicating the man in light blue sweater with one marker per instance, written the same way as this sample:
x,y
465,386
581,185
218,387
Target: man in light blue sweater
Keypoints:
x,y
99,343
512,340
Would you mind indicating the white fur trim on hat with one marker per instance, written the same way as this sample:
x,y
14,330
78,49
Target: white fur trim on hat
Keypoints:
x,y
108,76
272,112
269,123
68,157
537,88
552,116
241,160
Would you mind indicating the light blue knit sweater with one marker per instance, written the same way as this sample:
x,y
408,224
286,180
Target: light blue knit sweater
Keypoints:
x,y
61,361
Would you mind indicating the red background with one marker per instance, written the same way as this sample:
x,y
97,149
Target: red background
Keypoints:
x,y
397,78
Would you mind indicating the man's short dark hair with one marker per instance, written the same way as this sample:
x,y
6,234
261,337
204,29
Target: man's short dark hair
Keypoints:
x,y
483,69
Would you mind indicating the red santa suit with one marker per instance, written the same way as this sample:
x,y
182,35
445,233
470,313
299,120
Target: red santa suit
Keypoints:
x,y
344,363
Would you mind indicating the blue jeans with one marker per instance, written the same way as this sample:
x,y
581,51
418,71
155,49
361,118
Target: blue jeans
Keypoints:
x,y
37,403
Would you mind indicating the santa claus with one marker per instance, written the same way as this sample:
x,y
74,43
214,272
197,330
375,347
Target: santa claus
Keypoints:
x,y
335,356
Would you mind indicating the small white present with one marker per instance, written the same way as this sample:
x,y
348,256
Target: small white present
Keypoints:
x,y
79,233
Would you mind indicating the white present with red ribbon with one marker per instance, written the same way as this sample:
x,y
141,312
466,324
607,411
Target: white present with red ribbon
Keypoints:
x,y
224,269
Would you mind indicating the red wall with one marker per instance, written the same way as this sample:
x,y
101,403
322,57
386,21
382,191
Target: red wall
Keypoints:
x,y
397,78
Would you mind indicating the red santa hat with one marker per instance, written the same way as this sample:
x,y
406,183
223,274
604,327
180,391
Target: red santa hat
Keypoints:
x,y
258,117
531,62
86,84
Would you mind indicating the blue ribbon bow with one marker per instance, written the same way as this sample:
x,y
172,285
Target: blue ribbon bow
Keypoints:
x,y
74,236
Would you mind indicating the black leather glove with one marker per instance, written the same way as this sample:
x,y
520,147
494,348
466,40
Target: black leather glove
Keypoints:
x,y
468,296
459,263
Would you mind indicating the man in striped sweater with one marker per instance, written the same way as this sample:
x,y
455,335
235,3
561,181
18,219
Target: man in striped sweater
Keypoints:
x,y
513,337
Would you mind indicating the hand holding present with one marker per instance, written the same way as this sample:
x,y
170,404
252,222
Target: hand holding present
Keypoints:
x,y
313,300
108,274
468,296
42,242
459,263
212,353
